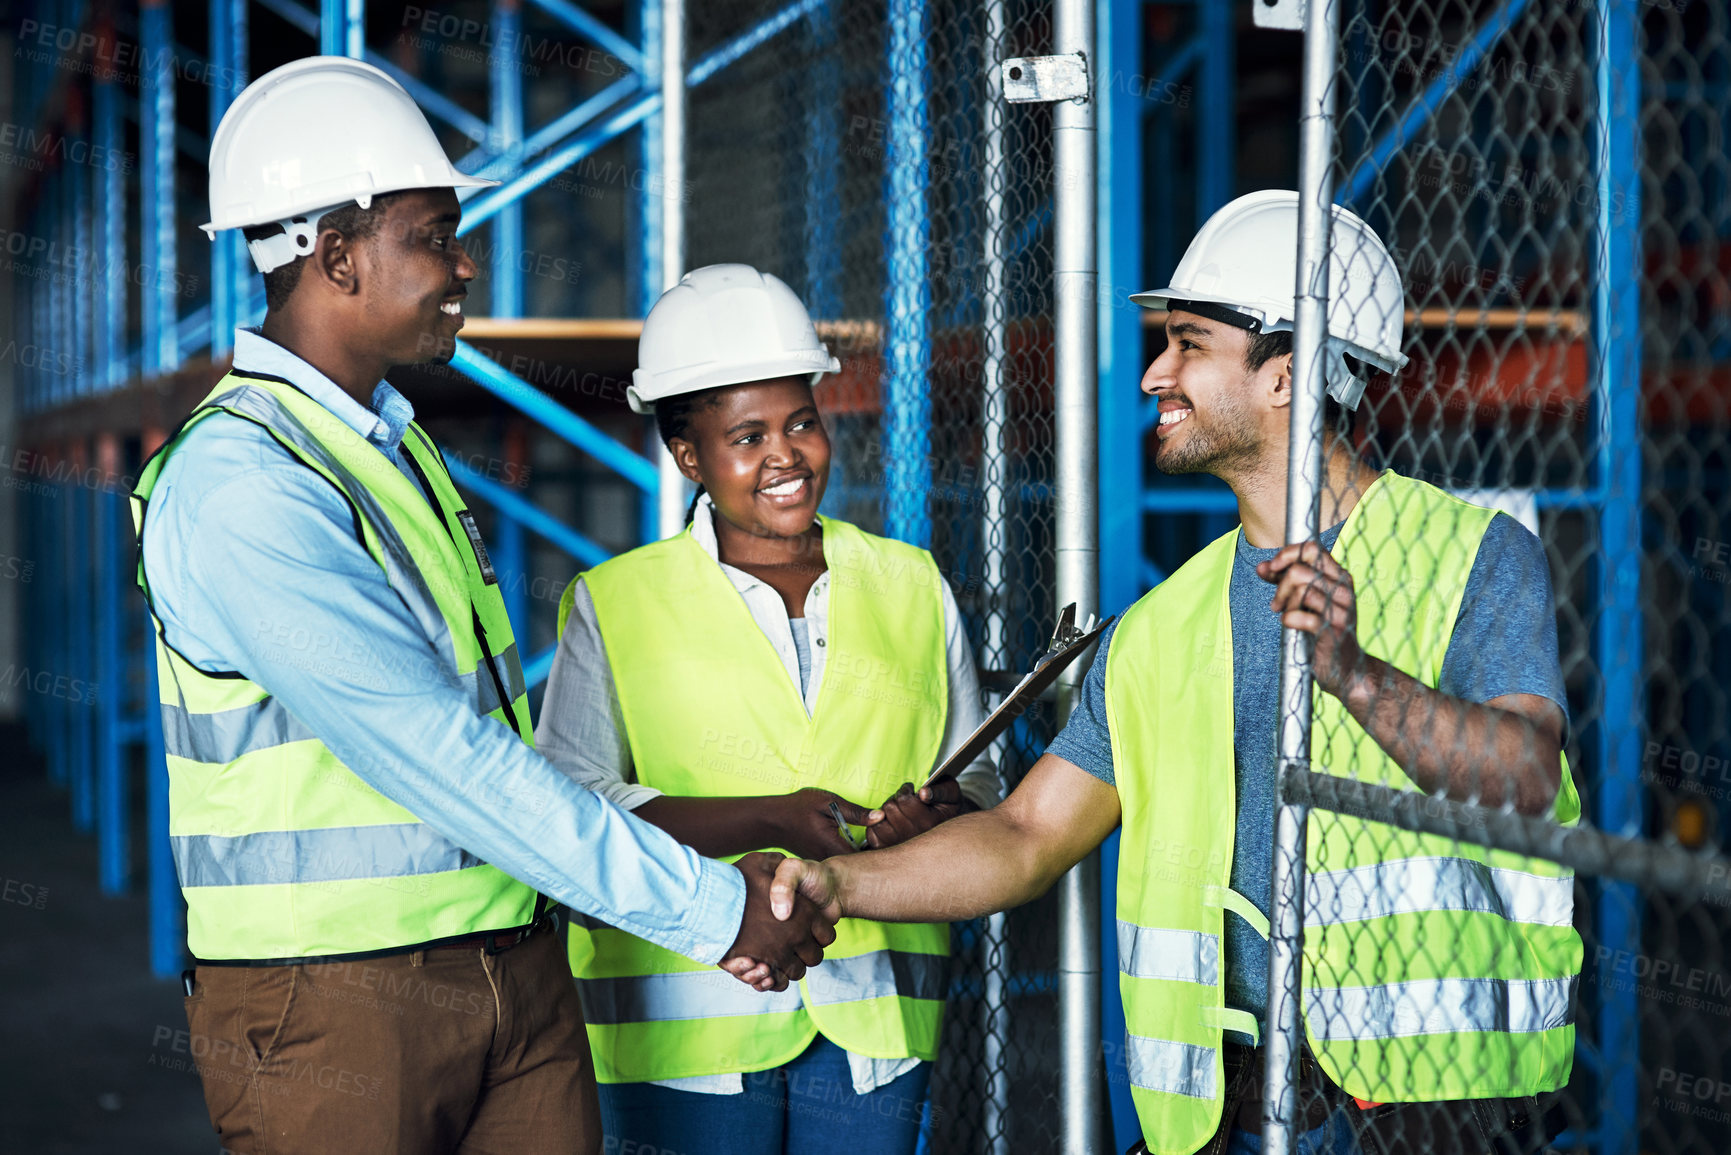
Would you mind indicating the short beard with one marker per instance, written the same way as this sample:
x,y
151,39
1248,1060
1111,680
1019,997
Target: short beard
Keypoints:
x,y
1231,439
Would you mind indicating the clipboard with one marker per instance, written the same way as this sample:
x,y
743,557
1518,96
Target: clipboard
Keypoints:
x,y
1068,643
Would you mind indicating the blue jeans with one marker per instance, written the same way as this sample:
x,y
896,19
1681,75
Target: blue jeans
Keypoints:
x,y
1334,1137
807,1107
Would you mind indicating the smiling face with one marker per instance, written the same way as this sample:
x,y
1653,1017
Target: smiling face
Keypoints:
x,y
415,275
1216,414
761,452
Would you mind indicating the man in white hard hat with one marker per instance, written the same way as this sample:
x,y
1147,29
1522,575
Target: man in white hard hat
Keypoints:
x,y
365,837
1433,974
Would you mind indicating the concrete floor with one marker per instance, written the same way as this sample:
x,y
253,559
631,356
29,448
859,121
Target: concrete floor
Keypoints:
x,y
87,1062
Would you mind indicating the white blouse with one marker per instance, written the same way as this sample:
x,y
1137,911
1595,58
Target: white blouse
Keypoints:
x,y
583,732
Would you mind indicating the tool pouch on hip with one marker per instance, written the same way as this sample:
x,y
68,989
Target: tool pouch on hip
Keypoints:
x,y
1458,1127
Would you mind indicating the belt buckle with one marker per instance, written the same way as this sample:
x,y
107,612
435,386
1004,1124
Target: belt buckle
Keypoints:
x,y
495,942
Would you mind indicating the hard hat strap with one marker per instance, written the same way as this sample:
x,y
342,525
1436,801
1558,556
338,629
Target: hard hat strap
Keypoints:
x,y
299,233
1344,376
1225,314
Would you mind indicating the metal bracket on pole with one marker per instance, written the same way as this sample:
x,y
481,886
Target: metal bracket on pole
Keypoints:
x,y
1043,79
1286,15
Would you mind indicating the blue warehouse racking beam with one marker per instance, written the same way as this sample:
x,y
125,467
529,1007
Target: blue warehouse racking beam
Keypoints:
x,y
1617,797
228,262
908,297
1120,447
1364,175
157,113
342,28
109,594
506,82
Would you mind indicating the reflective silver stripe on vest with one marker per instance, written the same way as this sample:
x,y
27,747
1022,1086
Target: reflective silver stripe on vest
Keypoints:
x,y
1412,885
1171,1068
1188,956
716,994
708,994
330,854
878,974
222,737
510,669
511,672
400,568
1440,1006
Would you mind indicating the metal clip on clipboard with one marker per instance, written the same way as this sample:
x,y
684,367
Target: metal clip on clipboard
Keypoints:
x,y
1068,643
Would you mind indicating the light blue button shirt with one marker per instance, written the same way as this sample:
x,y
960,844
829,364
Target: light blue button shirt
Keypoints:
x,y
255,567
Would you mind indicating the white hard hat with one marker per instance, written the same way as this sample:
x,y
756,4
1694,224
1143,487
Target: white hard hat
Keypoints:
x,y
1241,269
724,325
312,136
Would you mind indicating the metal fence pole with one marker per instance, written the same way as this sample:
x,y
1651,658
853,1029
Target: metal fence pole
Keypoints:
x,y
994,539
1303,488
1076,317
670,495
646,284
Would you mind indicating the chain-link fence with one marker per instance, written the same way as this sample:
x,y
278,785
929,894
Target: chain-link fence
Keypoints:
x,y
1549,181
870,161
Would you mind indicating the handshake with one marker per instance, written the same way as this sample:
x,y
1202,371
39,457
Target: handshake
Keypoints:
x,y
774,949
777,942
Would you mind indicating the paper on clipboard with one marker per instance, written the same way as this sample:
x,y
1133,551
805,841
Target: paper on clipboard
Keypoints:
x,y
1068,644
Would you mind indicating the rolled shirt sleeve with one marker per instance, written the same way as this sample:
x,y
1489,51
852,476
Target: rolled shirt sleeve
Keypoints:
x,y
264,575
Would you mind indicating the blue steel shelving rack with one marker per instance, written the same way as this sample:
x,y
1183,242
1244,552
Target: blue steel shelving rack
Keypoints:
x,y
83,532
1136,190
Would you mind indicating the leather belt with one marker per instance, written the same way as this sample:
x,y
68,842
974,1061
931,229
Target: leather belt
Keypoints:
x,y
497,941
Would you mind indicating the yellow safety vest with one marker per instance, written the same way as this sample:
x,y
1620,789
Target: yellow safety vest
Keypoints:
x,y
710,711
284,854
1433,970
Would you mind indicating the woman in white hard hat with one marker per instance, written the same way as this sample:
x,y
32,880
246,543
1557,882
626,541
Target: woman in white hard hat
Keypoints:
x,y
737,685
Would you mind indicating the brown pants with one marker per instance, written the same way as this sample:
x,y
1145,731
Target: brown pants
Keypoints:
x,y
450,1049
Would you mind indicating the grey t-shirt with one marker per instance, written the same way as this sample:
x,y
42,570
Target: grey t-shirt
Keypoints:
x,y
1505,642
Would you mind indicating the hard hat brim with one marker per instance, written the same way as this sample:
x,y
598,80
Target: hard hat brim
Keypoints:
x,y
244,221
1159,299
769,370
1163,298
